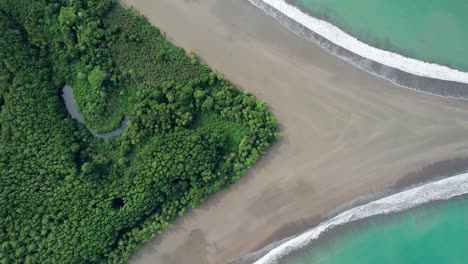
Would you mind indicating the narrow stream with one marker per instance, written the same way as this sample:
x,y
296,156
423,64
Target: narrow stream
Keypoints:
x,y
70,104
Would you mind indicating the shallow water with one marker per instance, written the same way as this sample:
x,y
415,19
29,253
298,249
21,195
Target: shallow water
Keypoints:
x,y
384,208
403,71
433,233
72,108
432,31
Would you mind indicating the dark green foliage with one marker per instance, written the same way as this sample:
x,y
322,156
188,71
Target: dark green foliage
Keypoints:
x,y
67,16
67,197
96,77
234,132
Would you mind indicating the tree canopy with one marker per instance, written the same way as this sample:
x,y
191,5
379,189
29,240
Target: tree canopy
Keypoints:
x,y
68,197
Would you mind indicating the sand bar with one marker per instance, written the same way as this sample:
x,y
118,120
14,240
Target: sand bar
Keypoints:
x,y
346,132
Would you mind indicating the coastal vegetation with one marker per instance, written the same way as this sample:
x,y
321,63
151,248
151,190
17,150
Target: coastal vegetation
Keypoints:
x,y
68,197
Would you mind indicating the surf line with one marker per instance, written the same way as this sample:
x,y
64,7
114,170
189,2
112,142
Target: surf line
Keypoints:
x,y
444,189
407,72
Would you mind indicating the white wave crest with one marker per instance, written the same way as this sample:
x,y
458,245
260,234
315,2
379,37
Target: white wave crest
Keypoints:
x,y
346,41
439,190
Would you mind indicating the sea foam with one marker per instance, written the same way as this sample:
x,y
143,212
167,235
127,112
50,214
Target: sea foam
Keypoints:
x,y
440,190
407,72
403,71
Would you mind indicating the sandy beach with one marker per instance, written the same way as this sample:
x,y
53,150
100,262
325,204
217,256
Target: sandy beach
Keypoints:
x,y
347,134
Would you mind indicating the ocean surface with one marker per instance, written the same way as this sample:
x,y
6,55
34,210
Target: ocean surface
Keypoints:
x,y
428,222
414,44
433,233
432,31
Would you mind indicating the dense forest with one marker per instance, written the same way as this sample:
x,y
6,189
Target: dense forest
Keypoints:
x,y
68,197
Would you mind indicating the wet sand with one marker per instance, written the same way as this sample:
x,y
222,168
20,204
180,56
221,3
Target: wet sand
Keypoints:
x,y
346,133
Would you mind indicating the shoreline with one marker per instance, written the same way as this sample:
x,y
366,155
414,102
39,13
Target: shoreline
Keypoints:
x,y
346,133
400,77
339,230
423,195
436,172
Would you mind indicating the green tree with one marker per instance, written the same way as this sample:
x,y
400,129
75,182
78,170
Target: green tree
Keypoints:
x,y
96,77
67,16
69,197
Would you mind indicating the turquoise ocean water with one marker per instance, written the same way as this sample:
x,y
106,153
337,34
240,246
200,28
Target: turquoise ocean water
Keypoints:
x,y
428,30
433,233
425,30
415,44
425,224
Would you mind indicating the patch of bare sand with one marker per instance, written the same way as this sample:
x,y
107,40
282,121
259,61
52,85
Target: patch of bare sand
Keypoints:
x,y
346,133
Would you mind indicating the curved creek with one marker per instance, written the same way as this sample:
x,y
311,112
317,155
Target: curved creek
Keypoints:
x,y
70,104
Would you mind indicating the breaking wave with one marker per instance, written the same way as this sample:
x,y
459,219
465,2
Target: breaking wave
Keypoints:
x,y
435,191
403,71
